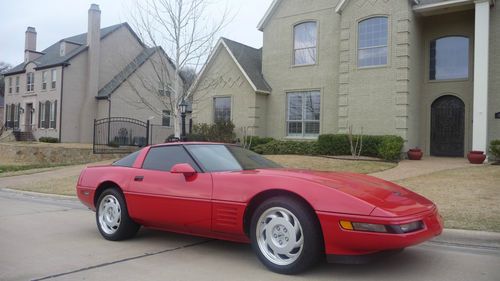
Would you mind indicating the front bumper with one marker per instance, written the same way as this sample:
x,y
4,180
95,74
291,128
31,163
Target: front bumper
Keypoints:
x,y
339,241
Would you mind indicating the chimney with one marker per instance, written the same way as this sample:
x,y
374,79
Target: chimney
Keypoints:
x,y
94,27
30,45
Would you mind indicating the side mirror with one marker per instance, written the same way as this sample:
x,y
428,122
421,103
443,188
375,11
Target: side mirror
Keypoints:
x,y
183,168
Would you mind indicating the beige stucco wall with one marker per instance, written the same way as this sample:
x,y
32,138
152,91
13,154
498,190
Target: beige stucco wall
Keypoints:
x,y
277,62
434,27
222,78
34,97
494,81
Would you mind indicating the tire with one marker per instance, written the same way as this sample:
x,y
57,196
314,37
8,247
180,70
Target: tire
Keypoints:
x,y
286,235
112,217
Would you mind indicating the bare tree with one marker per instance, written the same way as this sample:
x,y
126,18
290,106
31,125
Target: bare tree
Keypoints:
x,y
186,30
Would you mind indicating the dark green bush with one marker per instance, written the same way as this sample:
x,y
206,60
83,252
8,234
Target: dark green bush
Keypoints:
x,y
114,144
390,148
254,141
495,149
48,139
330,144
288,147
217,132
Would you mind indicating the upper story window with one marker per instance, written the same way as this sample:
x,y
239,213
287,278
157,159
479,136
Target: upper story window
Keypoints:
x,y
17,84
165,118
10,85
303,113
45,77
30,81
53,73
372,42
449,58
222,109
304,43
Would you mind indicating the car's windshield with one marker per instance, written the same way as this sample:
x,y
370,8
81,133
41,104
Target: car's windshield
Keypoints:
x,y
219,157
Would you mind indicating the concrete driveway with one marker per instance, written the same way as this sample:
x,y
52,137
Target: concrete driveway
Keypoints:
x,y
44,237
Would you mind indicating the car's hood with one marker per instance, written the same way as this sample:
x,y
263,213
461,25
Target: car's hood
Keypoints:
x,y
389,199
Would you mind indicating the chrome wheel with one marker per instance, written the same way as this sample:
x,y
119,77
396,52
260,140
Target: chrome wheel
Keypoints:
x,y
110,214
279,236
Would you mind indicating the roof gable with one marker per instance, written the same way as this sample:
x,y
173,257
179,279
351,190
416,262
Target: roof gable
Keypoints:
x,y
267,16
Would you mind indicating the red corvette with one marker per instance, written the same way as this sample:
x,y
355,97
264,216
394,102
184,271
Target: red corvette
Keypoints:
x,y
293,218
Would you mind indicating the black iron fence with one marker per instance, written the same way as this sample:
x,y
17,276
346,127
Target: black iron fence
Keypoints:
x,y
119,135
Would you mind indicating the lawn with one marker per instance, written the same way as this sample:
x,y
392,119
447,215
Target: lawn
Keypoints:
x,y
330,164
467,198
13,168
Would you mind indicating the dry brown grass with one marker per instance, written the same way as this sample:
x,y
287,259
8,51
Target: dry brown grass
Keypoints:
x,y
467,198
330,164
61,186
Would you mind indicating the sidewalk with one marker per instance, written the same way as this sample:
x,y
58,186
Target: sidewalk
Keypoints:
x,y
428,164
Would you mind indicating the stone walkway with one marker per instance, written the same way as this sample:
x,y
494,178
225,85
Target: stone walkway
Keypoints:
x,y
429,164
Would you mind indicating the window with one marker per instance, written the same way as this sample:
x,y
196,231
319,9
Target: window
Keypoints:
x,y
41,115
8,119
30,81
45,75
165,118
449,58
17,84
304,43
372,42
222,109
16,115
53,112
216,158
10,85
303,113
164,157
127,161
53,73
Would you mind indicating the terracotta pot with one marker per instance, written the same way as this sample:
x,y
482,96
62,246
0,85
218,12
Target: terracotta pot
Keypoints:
x,y
415,154
476,157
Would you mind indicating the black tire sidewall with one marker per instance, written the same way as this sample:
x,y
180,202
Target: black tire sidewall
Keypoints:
x,y
313,239
127,227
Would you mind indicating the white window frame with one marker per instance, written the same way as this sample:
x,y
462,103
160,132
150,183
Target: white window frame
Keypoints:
x,y
386,46
44,80
53,80
10,85
304,111
315,47
230,107
52,114
42,115
30,81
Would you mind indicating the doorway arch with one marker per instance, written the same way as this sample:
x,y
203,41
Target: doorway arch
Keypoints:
x,y
447,126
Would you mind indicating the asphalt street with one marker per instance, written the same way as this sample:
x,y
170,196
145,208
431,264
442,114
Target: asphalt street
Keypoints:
x,y
55,238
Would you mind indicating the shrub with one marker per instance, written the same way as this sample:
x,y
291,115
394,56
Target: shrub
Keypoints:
x,y
48,139
254,141
330,144
114,144
218,132
195,137
495,148
288,147
390,148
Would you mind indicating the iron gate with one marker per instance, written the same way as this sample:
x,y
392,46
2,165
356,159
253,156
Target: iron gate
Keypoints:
x,y
119,135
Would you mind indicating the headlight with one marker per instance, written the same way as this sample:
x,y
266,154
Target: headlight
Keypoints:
x,y
410,227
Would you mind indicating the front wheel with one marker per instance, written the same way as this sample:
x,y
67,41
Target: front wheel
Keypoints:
x,y
286,236
112,217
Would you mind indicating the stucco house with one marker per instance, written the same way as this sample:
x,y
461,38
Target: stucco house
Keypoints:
x,y
426,70
107,72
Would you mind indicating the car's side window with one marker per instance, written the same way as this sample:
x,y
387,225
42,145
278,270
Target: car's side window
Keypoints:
x,y
164,157
127,161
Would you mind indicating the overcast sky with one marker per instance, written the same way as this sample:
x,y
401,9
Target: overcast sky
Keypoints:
x,y
57,19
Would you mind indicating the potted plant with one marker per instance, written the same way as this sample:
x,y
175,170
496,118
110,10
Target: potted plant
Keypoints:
x,y
476,157
415,153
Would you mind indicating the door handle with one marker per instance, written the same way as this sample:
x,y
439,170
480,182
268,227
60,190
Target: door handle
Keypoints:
x,y
138,178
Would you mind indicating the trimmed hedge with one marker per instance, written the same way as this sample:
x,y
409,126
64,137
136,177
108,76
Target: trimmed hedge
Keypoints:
x,y
217,132
495,148
48,139
385,147
288,147
256,141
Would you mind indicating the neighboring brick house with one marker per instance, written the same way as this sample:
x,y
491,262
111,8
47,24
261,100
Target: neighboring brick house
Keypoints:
x,y
59,91
423,70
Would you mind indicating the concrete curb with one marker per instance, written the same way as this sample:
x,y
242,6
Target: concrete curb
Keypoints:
x,y
39,194
469,238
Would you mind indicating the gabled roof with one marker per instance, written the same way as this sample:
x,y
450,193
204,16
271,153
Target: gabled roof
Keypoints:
x,y
51,56
123,75
248,60
267,16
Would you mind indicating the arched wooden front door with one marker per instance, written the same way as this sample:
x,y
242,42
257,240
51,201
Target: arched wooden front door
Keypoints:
x,y
447,126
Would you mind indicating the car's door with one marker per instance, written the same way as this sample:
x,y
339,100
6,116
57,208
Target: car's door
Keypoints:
x,y
171,201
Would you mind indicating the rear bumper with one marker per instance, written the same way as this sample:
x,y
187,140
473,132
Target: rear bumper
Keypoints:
x,y
339,241
86,196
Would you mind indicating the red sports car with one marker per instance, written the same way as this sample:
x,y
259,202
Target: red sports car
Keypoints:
x,y
291,217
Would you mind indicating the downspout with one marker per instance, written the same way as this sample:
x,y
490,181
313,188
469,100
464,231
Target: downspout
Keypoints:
x,y
109,118
61,103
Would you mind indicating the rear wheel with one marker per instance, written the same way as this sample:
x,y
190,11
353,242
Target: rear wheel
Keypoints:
x,y
112,217
285,235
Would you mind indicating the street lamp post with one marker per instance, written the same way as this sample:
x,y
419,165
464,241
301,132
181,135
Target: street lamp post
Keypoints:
x,y
183,107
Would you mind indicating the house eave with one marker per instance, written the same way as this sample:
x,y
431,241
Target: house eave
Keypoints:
x,y
268,14
447,6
